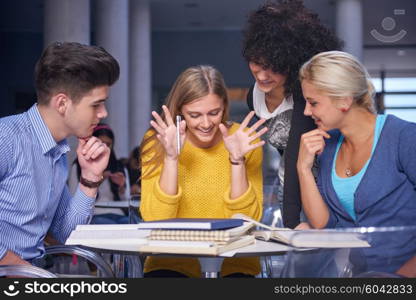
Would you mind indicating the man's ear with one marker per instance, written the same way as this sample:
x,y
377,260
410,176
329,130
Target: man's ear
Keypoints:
x,y
60,102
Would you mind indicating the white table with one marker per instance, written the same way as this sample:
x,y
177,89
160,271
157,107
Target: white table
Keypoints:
x,y
210,265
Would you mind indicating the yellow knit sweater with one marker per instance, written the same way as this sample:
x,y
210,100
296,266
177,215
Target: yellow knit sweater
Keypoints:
x,y
204,177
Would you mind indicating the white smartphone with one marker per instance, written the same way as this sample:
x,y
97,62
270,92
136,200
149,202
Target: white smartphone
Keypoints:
x,y
178,135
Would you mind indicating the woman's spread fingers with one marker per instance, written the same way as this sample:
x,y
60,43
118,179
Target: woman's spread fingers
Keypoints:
x,y
168,115
223,130
159,129
247,120
258,134
256,145
256,125
159,120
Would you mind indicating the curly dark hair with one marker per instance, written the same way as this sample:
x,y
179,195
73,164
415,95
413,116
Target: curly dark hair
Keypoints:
x,y
282,35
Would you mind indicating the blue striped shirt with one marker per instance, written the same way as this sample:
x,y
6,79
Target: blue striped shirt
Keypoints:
x,y
34,197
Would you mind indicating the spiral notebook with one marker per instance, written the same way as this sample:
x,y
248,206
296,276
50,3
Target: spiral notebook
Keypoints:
x,y
225,235
196,247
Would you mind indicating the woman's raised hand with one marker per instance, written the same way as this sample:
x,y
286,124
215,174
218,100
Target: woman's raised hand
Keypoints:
x,y
166,132
239,143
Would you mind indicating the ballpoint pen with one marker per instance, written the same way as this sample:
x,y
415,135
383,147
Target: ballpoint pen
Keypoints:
x,y
178,135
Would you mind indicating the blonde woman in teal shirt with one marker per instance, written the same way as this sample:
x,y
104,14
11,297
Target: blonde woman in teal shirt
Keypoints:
x,y
367,162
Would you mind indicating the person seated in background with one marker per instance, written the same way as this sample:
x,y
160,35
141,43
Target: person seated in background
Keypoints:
x,y
367,173
278,38
113,188
187,184
72,84
133,167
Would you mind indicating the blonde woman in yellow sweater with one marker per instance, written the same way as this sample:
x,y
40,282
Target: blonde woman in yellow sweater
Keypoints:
x,y
216,174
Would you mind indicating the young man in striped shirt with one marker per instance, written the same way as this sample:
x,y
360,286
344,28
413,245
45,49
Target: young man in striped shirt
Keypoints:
x,y
72,84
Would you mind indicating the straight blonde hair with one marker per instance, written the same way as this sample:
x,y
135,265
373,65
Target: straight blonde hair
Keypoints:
x,y
339,74
192,84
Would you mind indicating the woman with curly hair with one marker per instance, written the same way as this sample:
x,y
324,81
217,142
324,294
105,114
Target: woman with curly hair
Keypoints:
x,y
279,37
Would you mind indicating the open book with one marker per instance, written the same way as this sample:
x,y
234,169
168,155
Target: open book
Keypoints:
x,y
314,238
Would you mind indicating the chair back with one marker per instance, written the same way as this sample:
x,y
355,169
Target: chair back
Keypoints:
x,y
127,192
28,271
74,261
133,210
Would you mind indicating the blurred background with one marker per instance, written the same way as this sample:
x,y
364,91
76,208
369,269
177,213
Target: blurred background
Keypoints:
x,y
154,40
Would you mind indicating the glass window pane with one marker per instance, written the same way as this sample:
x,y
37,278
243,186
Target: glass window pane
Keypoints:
x,y
405,114
400,84
400,100
377,84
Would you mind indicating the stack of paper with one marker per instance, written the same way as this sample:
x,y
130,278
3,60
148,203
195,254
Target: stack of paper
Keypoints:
x,y
219,235
190,236
197,236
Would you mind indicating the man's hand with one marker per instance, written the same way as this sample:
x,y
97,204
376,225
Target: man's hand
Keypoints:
x,y
93,156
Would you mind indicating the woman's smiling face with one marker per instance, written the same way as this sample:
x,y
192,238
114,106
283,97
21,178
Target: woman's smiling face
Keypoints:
x,y
203,117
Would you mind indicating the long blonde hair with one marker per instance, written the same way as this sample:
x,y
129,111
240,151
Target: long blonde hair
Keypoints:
x,y
339,74
193,83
